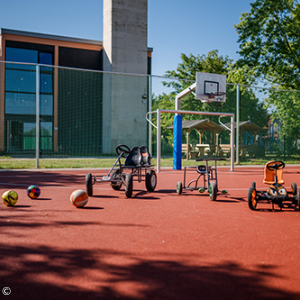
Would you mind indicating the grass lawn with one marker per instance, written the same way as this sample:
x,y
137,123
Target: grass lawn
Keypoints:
x,y
13,163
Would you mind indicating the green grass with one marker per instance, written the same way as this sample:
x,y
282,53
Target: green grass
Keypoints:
x,y
13,163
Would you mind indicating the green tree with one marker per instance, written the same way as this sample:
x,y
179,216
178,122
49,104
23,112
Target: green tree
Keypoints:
x,y
251,107
269,37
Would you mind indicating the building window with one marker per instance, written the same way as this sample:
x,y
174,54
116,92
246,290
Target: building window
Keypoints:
x,y
29,136
20,94
21,55
46,135
20,83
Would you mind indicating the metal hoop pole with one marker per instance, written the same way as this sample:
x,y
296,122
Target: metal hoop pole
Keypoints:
x,y
232,144
237,124
158,141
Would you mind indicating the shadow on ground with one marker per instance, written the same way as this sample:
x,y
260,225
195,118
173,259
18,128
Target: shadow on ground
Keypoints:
x,y
55,273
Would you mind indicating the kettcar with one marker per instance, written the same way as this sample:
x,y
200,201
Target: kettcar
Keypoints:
x,y
209,176
276,192
137,167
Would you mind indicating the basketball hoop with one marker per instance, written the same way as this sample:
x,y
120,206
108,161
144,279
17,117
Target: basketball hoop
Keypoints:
x,y
210,87
217,96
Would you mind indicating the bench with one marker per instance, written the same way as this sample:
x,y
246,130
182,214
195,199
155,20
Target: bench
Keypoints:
x,y
249,149
192,153
225,150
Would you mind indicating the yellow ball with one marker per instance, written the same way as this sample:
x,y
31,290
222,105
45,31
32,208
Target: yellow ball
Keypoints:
x,y
10,198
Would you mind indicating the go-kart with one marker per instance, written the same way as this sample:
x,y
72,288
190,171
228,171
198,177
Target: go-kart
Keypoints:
x,y
137,167
209,176
276,192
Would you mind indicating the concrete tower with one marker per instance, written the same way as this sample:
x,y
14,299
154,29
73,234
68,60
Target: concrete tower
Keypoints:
x,y
125,50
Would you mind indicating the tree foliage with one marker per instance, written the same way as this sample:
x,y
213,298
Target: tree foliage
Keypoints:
x,y
269,37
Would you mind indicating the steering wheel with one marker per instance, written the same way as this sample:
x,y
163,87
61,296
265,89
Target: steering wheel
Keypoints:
x,y
275,165
122,150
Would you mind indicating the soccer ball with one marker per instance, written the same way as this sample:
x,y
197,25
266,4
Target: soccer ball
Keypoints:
x,y
33,191
10,198
79,198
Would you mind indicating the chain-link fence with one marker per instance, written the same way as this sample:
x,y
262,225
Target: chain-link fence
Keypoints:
x,y
267,126
48,112
51,111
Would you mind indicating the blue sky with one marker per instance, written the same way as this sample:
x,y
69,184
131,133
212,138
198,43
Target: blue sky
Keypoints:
x,y
174,26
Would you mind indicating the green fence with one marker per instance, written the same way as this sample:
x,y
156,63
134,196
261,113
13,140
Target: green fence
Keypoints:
x,y
83,113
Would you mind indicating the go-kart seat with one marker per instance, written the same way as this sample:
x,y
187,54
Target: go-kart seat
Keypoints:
x,y
201,169
134,158
146,157
269,177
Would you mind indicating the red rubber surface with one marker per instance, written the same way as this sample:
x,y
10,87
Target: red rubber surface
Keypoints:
x,y
153,246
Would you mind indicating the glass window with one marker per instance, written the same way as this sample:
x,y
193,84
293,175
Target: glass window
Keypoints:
x,y
46,135
29,129
46,105
29,143
46,143
29,132
24,104
45,58
20,81
29,138
46,83
19,103
46,129
21,55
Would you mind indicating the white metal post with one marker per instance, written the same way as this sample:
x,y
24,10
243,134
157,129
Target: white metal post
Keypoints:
x,y
182,94
232,144
150,109
158,141
237,124
37,133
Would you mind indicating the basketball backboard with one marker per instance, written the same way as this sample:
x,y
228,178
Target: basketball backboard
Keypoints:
x,y
210,87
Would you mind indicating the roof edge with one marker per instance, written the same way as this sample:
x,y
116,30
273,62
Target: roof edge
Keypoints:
x,y
50,36
54,37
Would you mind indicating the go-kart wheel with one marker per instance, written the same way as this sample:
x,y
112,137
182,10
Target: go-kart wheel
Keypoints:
x,y
115,174
179,188
150,180
89,184
298,199
128,185
252,201
253,185
212,191
122,149
294,188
